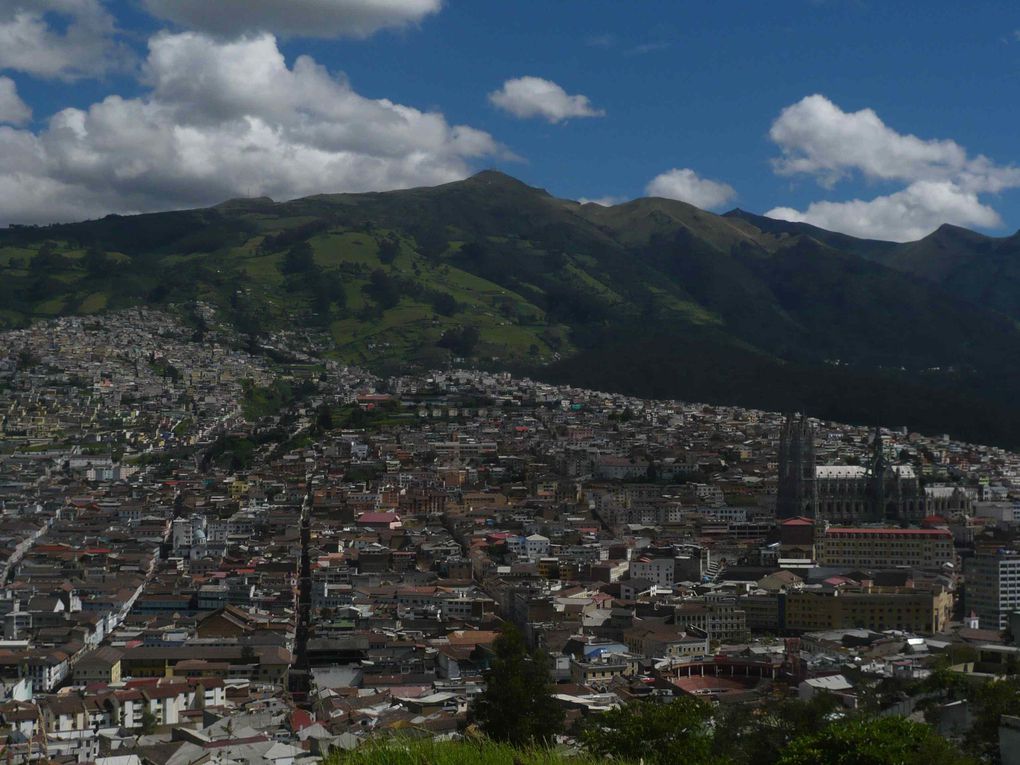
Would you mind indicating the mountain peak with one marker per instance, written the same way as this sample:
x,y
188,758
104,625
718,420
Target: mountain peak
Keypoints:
x,y
496,179
242,203
947,231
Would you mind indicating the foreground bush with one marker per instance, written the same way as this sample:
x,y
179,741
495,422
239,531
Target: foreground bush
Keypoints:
x,y
877,741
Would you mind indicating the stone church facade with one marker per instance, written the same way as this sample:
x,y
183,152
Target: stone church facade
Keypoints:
x,y
878,492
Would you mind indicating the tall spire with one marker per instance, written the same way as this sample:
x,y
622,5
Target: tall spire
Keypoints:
x,y
877,470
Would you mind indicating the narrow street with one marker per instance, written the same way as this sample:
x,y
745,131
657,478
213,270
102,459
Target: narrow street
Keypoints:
x,y
300,677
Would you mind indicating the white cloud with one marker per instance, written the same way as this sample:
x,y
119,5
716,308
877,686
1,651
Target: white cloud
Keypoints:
x,y
942,181
902,216
85,46
224,119
820,139
12,109
687,186
526,97
294,18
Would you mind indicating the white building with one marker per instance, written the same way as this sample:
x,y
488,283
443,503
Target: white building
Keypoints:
x,y
659,571
993,587
534,546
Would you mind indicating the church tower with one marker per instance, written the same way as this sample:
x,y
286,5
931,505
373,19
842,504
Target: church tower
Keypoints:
x,y
797,487
878,475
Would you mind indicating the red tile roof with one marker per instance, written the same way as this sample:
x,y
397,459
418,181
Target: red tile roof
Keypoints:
x,y
892,531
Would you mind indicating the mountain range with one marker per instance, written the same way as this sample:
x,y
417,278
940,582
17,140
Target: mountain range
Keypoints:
x,y
653,297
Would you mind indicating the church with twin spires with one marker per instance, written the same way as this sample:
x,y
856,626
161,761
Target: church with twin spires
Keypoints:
x,y
875,493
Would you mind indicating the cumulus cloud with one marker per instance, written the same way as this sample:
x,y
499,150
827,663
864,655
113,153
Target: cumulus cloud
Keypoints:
x,y
526,97
943,181
223,119
82,44
819,138
13,110
293,18
902,216
687,186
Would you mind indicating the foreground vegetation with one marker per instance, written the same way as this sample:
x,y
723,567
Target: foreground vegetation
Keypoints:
x,y
428,752
881,741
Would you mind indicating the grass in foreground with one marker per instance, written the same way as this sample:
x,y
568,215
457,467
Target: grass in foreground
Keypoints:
x,y
429,752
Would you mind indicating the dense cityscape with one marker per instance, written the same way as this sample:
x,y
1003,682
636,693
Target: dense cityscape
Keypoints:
x,y
446,382
259,555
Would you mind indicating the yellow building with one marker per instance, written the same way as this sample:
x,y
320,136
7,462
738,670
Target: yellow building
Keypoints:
x,y
100,666
885,548
238,489
874,608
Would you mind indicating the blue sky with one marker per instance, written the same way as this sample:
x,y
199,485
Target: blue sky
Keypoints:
x,y
875,118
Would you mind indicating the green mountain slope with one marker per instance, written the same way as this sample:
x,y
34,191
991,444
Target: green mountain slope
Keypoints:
x,y
652,296
979,269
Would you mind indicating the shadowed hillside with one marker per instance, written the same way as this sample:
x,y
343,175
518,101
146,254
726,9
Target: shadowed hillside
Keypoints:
x,y
652,296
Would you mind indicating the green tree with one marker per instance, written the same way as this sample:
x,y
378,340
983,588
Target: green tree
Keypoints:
x,y
389,249
383,289
517,705
989,702
326,289
654,733
48,261
873,741
148,721
96,262
943,685
758,737
461,340
444,303
432,241
298,259
323,419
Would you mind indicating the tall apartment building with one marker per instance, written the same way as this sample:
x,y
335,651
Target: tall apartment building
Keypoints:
x,y
993,587
885,548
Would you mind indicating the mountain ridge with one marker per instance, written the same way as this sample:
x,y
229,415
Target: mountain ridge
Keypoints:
x,y
491,271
